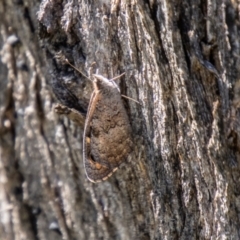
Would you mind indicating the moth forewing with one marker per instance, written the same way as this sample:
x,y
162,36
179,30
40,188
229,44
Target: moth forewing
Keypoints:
x,y
107,132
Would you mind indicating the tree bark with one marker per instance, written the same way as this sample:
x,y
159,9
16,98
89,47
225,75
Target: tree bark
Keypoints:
x,y
181,62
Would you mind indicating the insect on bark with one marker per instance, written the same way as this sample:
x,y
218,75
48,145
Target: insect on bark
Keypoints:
x,y
107,137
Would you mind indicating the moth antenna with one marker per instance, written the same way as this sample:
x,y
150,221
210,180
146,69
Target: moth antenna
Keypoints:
x,y
66,60
115,78
131,99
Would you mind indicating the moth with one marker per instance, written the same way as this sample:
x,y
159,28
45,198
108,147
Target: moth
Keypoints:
x,y
107,137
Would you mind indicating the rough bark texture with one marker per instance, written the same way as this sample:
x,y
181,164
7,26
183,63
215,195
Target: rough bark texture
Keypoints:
x,y
181,60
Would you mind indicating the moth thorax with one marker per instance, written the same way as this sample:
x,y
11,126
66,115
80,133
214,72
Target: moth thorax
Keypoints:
x,y
103,85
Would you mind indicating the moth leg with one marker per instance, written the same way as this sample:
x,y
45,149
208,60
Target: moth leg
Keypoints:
x,y
71,113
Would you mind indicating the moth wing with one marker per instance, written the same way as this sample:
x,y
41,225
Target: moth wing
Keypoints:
x,y
107,136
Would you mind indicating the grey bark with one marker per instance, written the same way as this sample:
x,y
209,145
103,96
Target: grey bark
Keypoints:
x,y
181,62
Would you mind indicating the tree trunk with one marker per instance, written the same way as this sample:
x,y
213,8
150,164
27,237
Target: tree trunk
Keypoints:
x,y
180,59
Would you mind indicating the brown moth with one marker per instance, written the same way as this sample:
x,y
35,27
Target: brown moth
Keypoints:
x,y
107,132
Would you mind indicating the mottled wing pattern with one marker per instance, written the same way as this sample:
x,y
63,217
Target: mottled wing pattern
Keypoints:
x,y
107,133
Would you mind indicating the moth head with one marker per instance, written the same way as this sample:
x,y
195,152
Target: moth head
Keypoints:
x,y
101,82
100,78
